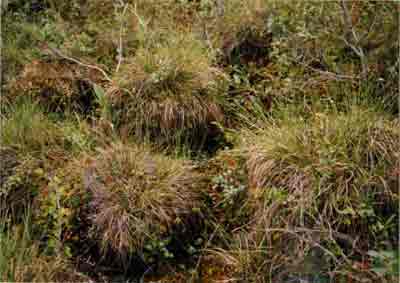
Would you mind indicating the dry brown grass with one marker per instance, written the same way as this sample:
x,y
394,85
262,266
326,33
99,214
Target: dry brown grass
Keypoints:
x,y
57,85
138,197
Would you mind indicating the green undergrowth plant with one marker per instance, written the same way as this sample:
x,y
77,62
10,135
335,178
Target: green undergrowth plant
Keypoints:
x,y
54,191
59,208
21,258
310,54
29,129
227,191
386,263
26,127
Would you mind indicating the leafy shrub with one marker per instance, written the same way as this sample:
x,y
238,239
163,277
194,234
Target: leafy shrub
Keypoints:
x,y
314,56
228,190
60,206
386,263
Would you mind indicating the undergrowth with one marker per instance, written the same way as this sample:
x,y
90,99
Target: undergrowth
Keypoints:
x,y
199,141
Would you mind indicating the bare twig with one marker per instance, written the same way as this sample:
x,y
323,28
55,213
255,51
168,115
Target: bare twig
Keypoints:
x,y
121,28
220,7
333,75
354,41
58,53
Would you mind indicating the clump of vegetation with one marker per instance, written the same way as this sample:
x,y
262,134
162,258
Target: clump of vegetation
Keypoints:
x,y
19,188
170,92
318,183
21,259
27,128
140,200
57,86
315,57
106,101
228,189
241,33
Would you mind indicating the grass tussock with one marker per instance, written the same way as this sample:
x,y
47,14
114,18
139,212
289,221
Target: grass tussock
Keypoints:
x,y
315,185
362,140
26,127
168,91
29,129
139,198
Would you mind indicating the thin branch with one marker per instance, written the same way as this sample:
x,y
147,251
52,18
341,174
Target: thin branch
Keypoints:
x,y
58,53
333,75
120,48
367,33
355,46
347,19
220,7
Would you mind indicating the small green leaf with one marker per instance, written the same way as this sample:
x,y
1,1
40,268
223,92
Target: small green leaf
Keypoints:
x,y
99,91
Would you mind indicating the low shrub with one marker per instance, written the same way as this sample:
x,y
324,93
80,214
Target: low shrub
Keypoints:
x,y
227,190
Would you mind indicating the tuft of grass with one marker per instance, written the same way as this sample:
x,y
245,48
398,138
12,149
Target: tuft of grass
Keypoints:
x,y
169,92
140,199
361,140
318,183
27,128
